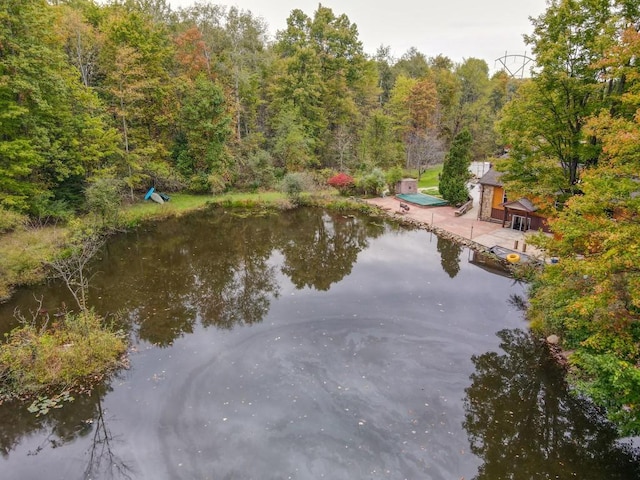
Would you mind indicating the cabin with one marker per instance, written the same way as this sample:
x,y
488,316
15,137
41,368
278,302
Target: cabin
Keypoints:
x,y
495,206
407,186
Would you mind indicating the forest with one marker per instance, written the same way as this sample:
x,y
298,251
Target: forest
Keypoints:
x,y
112,98
131,92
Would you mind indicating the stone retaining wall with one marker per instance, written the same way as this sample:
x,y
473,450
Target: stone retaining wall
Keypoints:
x,y
437,230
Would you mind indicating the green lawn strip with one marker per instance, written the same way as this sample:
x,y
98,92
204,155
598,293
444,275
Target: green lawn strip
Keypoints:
x,y
183,202
429,179
149,210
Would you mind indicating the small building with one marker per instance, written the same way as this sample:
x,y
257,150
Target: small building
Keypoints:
x,y
492,194
407,185
496,207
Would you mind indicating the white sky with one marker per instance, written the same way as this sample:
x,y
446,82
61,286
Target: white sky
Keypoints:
x,y
456,28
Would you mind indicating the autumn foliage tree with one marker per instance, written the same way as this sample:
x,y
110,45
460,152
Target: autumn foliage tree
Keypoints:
x,y
591,297
545,123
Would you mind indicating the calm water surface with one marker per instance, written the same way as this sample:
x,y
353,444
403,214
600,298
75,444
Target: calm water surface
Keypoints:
x,y
310,345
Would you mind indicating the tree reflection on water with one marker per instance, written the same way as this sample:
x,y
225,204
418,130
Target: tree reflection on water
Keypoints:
x,y
84,418
524,422
102,461
62,428
449,256
216,267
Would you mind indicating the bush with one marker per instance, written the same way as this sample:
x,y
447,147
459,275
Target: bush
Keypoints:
x,y
393,176
217,185
256,172
163,177
36,359
198,183
10,220
293,186
104,198
613,384
342,182
371,183
44,211
323,175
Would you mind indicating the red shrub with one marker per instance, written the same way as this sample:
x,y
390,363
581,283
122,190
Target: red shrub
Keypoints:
x,y
341,181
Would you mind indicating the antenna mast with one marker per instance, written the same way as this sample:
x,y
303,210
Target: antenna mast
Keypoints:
x,y
515,65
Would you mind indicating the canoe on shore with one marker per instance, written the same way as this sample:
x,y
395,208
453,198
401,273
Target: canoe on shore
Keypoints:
x,y
156,198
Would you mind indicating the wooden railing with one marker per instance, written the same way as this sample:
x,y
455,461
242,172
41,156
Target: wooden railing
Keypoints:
x,y
464,208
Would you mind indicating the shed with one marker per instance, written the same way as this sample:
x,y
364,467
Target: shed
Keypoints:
x,y
407,185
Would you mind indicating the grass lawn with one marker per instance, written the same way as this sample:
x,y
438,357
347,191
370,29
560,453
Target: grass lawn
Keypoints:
x,y
429,179
184,202
179,203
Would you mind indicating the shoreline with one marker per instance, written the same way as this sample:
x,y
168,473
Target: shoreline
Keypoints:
x,y
32,261
467,230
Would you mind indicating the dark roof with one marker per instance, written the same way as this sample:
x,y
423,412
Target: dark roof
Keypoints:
x,y
492,177
524,205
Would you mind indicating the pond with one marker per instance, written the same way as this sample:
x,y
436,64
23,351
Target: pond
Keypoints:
x,y
308,345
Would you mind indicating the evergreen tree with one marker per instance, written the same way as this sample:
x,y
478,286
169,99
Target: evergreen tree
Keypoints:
x,y
455,172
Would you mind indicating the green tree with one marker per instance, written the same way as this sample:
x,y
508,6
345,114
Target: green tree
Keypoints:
x,y
590,298
544,123
422,144
379,146
293,146
104,199
386,77
127,85
472,109
297,89
399,106
230,46
324,74
413,64
448,88
247,61
51,128
455,172
82,40
136,56
205,124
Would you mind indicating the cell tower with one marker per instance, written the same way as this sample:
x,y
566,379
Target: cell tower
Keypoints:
x,y
515,65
